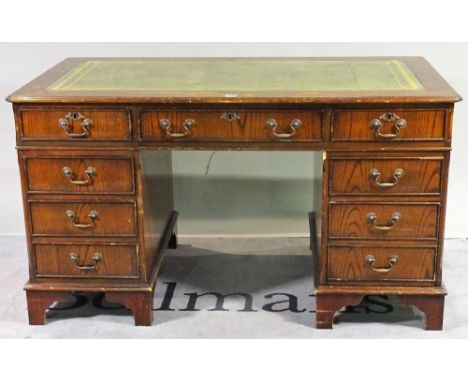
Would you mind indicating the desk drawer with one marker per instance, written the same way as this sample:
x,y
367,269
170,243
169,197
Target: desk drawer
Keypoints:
x,y
75,124
382,221
86,261
368,263
374,176
389,125
83,219
228,126
80,175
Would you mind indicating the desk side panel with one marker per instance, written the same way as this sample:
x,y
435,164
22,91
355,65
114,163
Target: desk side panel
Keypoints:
x,y
156,204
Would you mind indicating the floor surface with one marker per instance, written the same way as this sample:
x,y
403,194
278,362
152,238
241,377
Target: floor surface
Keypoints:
x,y
255,288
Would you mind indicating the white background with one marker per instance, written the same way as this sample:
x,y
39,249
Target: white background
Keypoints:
x,y
244,193
243,20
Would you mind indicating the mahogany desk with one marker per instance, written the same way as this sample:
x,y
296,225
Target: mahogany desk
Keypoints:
x,y
94,141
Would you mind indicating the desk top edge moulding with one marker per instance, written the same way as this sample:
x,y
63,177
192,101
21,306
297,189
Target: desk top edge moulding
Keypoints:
x,y
237,80
95,138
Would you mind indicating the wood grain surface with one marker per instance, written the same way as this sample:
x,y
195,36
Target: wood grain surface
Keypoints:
x,y
42,124
251,125
351,176
348,263
350,220
113,175
355,125
117,261
115,219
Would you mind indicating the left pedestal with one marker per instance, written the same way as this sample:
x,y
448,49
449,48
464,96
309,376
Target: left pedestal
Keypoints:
x,y
98,212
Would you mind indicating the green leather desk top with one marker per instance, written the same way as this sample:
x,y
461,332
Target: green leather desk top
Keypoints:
x,y
238,76
301,80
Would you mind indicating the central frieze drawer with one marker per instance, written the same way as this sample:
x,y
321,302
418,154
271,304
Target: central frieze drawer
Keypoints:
x,y
369,263
374,176
83,218
382,221
80,175
86,261
231,125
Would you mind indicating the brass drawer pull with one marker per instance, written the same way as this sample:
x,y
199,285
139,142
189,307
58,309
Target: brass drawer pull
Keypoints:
x,y
373,219
66,123
188,125
377,124
375,175
89,173
92,216
294,125
391,261
76,259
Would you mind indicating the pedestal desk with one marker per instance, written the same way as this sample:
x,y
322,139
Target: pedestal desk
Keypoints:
x,y
94,139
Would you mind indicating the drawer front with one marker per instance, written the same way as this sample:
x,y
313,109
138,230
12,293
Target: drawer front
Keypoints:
x,y
75,125
395,176
80,175
353,263
83,219
381,221
389,125
229,126
86,261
